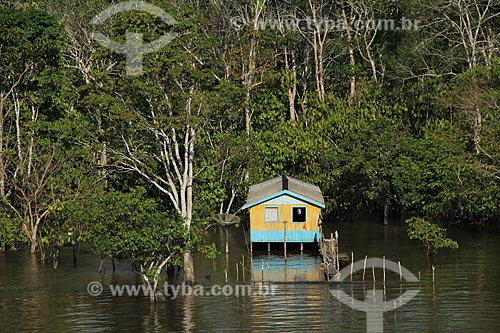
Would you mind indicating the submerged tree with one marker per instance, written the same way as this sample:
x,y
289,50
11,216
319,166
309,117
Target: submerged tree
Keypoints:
x,y
432,235
131,225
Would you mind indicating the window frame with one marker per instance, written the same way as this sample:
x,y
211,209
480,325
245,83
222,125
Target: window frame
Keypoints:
x,y
305,214
278,214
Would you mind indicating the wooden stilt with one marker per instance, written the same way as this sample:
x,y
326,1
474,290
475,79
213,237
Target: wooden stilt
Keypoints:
x,y
262,271
284,238
268,248
301,247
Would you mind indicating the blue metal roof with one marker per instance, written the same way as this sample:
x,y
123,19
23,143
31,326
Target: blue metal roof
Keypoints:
x,y
284,192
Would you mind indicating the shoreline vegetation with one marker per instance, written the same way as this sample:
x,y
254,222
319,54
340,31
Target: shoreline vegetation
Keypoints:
x,y
387,121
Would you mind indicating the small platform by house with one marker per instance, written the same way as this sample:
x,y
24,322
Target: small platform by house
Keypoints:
x,y
332,260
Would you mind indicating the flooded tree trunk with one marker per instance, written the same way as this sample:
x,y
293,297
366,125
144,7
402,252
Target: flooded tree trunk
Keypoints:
x,y
101,265
55,256
33,244
387,205
188,268
151,286
75,249
431,252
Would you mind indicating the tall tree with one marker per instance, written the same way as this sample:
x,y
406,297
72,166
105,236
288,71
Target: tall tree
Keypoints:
x,y
33,42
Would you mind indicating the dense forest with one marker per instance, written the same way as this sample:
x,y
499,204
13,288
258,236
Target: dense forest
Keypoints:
x,y
388,106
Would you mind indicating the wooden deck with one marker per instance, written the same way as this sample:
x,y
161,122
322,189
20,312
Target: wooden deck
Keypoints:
x,y
332,260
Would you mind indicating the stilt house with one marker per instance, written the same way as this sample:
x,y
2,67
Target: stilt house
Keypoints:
x,y
284,208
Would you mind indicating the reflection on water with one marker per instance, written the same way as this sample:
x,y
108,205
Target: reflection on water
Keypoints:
x,y
297,268
34,297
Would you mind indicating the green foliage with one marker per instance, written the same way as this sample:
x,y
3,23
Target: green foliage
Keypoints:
x,y
421,135
134,226
432,235
11,234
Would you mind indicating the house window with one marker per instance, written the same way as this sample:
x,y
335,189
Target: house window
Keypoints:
x,y
271,215
299,214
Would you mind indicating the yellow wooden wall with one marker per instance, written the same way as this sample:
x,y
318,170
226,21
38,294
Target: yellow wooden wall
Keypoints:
x,y
285,214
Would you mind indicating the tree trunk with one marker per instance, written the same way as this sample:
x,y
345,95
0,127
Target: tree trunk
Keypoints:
x,y
477,131
352,60
252,60
55,256
2,167
188,268
75,250
387,205
101,265
33,241
151,287
291,85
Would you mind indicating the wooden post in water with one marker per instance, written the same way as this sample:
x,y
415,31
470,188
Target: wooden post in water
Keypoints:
x,y
237,272
268,248
286,278
433,285
352,264
383,264
262,270
301,247
364,268
373,273
269,272
400,273
385,290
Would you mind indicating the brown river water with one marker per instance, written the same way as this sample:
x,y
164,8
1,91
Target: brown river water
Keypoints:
x,y
465,296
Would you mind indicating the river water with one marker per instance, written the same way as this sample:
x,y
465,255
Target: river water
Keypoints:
x,y
463,298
